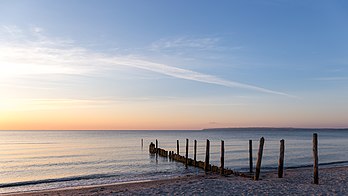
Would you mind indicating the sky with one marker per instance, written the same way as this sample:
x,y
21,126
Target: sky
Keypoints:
x,y
159,64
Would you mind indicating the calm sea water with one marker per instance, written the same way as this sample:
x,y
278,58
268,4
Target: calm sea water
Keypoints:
x,y
38,160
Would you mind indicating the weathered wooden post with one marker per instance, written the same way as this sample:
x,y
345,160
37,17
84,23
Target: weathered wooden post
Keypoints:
x,y
251,156
315,156
206,163
142,143
222,160
177,147
195,153
259,158
156,150
152,148
281,159
186,160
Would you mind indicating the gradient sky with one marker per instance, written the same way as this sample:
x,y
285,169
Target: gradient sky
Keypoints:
x,y
157,64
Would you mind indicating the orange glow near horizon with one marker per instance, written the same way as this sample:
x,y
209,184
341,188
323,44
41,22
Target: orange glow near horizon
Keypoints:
x,y
74,114
71,115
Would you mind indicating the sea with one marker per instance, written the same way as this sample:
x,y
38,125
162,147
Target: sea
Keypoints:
x,y
41,160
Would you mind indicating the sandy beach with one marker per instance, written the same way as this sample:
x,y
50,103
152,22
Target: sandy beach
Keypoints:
x,y
333,181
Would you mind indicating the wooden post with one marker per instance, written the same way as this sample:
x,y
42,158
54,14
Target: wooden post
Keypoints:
x,y
222,158
281,159
152,148
156,150
206,163
187,144
315,156
142,143
195,153
177,147
251,156
259,158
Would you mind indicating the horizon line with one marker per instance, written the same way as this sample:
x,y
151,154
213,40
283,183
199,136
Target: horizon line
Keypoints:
x,y
248,127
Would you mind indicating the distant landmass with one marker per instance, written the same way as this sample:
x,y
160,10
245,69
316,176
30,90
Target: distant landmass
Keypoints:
x,y
274,129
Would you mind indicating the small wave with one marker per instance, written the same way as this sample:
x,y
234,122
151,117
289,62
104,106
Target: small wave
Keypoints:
x,y
73,178
57,156
62,164
320,164
270,168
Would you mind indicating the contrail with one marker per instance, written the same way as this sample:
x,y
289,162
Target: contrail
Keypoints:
x,y
191,75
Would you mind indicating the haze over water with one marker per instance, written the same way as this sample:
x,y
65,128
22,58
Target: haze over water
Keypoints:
x,y
36,160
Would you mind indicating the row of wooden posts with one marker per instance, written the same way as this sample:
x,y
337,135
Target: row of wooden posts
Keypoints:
x,y
225,171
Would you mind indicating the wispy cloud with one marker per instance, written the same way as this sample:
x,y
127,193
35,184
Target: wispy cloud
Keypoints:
x,y
185,42
31,104
15,104
12,31
43,55
192,48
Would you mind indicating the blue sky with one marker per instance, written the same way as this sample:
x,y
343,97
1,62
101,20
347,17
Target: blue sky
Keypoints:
x,y
156,64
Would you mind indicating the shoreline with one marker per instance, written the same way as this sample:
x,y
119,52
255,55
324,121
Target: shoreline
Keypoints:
x,y
333,180
120,186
